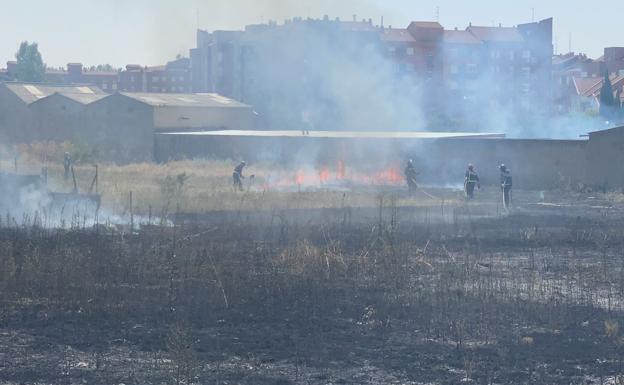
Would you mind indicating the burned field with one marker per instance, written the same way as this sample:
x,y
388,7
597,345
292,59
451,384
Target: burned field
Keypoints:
x,y
380,296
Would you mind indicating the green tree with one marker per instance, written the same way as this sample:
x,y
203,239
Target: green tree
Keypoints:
x,y
102,68
607,101
30,65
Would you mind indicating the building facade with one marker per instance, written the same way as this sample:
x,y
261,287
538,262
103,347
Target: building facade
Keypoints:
x,y
491,66
173,77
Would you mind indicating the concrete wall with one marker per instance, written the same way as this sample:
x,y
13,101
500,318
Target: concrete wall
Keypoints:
x,y
536,164
605,159
234,118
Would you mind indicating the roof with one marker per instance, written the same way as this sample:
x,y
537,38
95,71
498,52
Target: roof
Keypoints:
x,y
460,37
30,93
425,24
397,35
357,26
564,59
589,87
343,134
584,84
99,73
607,131
496,34
183,100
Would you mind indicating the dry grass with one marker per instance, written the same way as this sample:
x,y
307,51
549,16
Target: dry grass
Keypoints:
x,y
207,186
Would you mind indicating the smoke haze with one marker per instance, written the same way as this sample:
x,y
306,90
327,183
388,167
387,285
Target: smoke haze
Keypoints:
x,y
150,32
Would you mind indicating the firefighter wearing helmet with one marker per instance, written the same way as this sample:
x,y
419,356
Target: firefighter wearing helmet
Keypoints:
x,y
506,184
471,180
410,176
237,176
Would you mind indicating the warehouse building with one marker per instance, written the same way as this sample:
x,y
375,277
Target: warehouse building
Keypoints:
x,y
123,124
118,127
39,112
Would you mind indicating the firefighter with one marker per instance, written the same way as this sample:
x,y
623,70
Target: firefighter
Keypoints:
x,y
238,177
410,177
506,184
67,162
471,180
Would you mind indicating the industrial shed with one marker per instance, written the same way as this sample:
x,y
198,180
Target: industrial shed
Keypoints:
x,y
37,112
122,125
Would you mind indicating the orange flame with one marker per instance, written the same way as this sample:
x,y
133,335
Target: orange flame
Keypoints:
x,y
324,176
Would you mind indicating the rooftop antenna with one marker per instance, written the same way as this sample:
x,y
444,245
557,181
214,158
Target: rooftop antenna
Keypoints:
x,y
382,22
532,15
197,16
570,42
438,14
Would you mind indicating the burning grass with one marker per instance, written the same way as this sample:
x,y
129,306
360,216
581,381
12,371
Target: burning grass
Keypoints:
x,y
206,185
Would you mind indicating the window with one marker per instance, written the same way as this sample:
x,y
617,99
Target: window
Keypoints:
x,y
511,55
164,78
471,68
182,78
173,79
104,86
453,85
154,89
454,69
114,87
430,62
453,52
391,49
410,51
526,72
526,54
132,79
155,79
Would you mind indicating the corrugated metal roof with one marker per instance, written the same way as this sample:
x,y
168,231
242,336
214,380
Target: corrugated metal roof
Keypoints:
x,y
342,134
30,93
183,100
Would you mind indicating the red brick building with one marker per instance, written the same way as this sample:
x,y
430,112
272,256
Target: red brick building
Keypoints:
x,y
174,77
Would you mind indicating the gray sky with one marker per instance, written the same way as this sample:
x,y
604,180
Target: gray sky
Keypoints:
x,y
153,31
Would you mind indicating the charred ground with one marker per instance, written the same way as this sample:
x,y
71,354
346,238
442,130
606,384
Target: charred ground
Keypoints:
x,y
367,296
